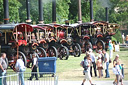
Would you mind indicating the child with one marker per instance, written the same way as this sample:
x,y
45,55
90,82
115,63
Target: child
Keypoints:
x,y
99,66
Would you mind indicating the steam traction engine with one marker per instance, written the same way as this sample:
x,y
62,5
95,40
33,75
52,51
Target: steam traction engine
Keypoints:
x,y
16,40
65,39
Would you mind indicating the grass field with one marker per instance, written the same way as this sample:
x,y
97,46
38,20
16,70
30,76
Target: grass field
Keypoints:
x,y
71,70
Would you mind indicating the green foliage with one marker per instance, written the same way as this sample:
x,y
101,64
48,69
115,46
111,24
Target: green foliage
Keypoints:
x,y
68,10
1,11
118,36
14,5
62,10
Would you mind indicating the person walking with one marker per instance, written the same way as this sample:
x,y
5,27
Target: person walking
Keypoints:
x,y
34,67
110,49
3,67
93,63
106,63
117,72
115,61
20,67
86,66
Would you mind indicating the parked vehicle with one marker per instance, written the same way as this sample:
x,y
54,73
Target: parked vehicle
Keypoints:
x,y
15,41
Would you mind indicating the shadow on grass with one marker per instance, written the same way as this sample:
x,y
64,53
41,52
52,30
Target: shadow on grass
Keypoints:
x,y
123,49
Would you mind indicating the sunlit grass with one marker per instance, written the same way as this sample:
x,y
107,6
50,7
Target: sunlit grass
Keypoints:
x,y
71,70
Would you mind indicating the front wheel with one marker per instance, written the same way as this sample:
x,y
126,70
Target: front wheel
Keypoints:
x,y
41,52
87,45
23,57
100,45
63,53
77,50
52,52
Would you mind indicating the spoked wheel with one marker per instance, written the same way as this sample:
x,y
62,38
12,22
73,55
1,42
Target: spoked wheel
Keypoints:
x,y
41,52
24,49
77,50
52,52
15,58
63,53
87,45
100,45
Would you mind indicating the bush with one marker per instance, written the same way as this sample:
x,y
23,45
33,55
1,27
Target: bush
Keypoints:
x,y
118,37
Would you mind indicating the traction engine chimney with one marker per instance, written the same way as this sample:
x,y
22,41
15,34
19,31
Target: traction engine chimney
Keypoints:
x,y
6,11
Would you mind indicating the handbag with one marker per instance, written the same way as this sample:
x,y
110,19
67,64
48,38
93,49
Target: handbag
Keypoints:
x,y
110,61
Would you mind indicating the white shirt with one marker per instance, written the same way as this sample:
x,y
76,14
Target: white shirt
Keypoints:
x,y
118,70
92,57
19,64
35,61
106,57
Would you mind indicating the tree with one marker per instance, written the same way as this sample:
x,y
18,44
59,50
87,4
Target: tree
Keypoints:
x,y
73,10
14,5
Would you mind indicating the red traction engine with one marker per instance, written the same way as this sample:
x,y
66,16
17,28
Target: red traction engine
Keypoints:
x,y
66,39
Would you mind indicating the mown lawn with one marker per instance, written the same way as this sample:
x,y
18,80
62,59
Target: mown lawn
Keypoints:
x,y
71,70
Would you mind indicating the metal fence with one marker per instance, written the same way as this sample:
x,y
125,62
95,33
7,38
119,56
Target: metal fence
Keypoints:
x,y
43,79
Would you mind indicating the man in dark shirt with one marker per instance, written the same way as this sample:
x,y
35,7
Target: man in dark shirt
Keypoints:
x,y
34,67
3,67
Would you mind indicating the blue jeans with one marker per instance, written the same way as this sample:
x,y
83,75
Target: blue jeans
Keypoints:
x,y
21,76
107,71
3,80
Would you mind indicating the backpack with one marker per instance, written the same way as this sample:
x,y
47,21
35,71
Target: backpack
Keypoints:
x,y
85,64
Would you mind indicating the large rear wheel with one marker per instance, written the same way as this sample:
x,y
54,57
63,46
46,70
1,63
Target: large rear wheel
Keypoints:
x,y
77,50
63,53
52,52
87,45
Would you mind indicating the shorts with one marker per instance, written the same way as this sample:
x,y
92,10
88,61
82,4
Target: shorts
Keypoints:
x,y
99,68
87,75
119,78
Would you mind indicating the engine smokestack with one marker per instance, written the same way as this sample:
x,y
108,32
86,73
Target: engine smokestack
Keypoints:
x,y
6,11
79,12
28,20
91,10
54,11
41,12
106,11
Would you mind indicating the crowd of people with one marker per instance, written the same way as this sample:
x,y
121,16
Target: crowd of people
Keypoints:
x,y
100,62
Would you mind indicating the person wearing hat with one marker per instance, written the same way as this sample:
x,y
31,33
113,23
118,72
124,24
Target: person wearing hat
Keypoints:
x,y
34,67
92,56
20,67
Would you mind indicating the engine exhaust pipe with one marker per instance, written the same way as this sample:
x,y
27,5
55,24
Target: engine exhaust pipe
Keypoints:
x,y
41,21
91,11
79,12
6,11
54,11
106,11
28,20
